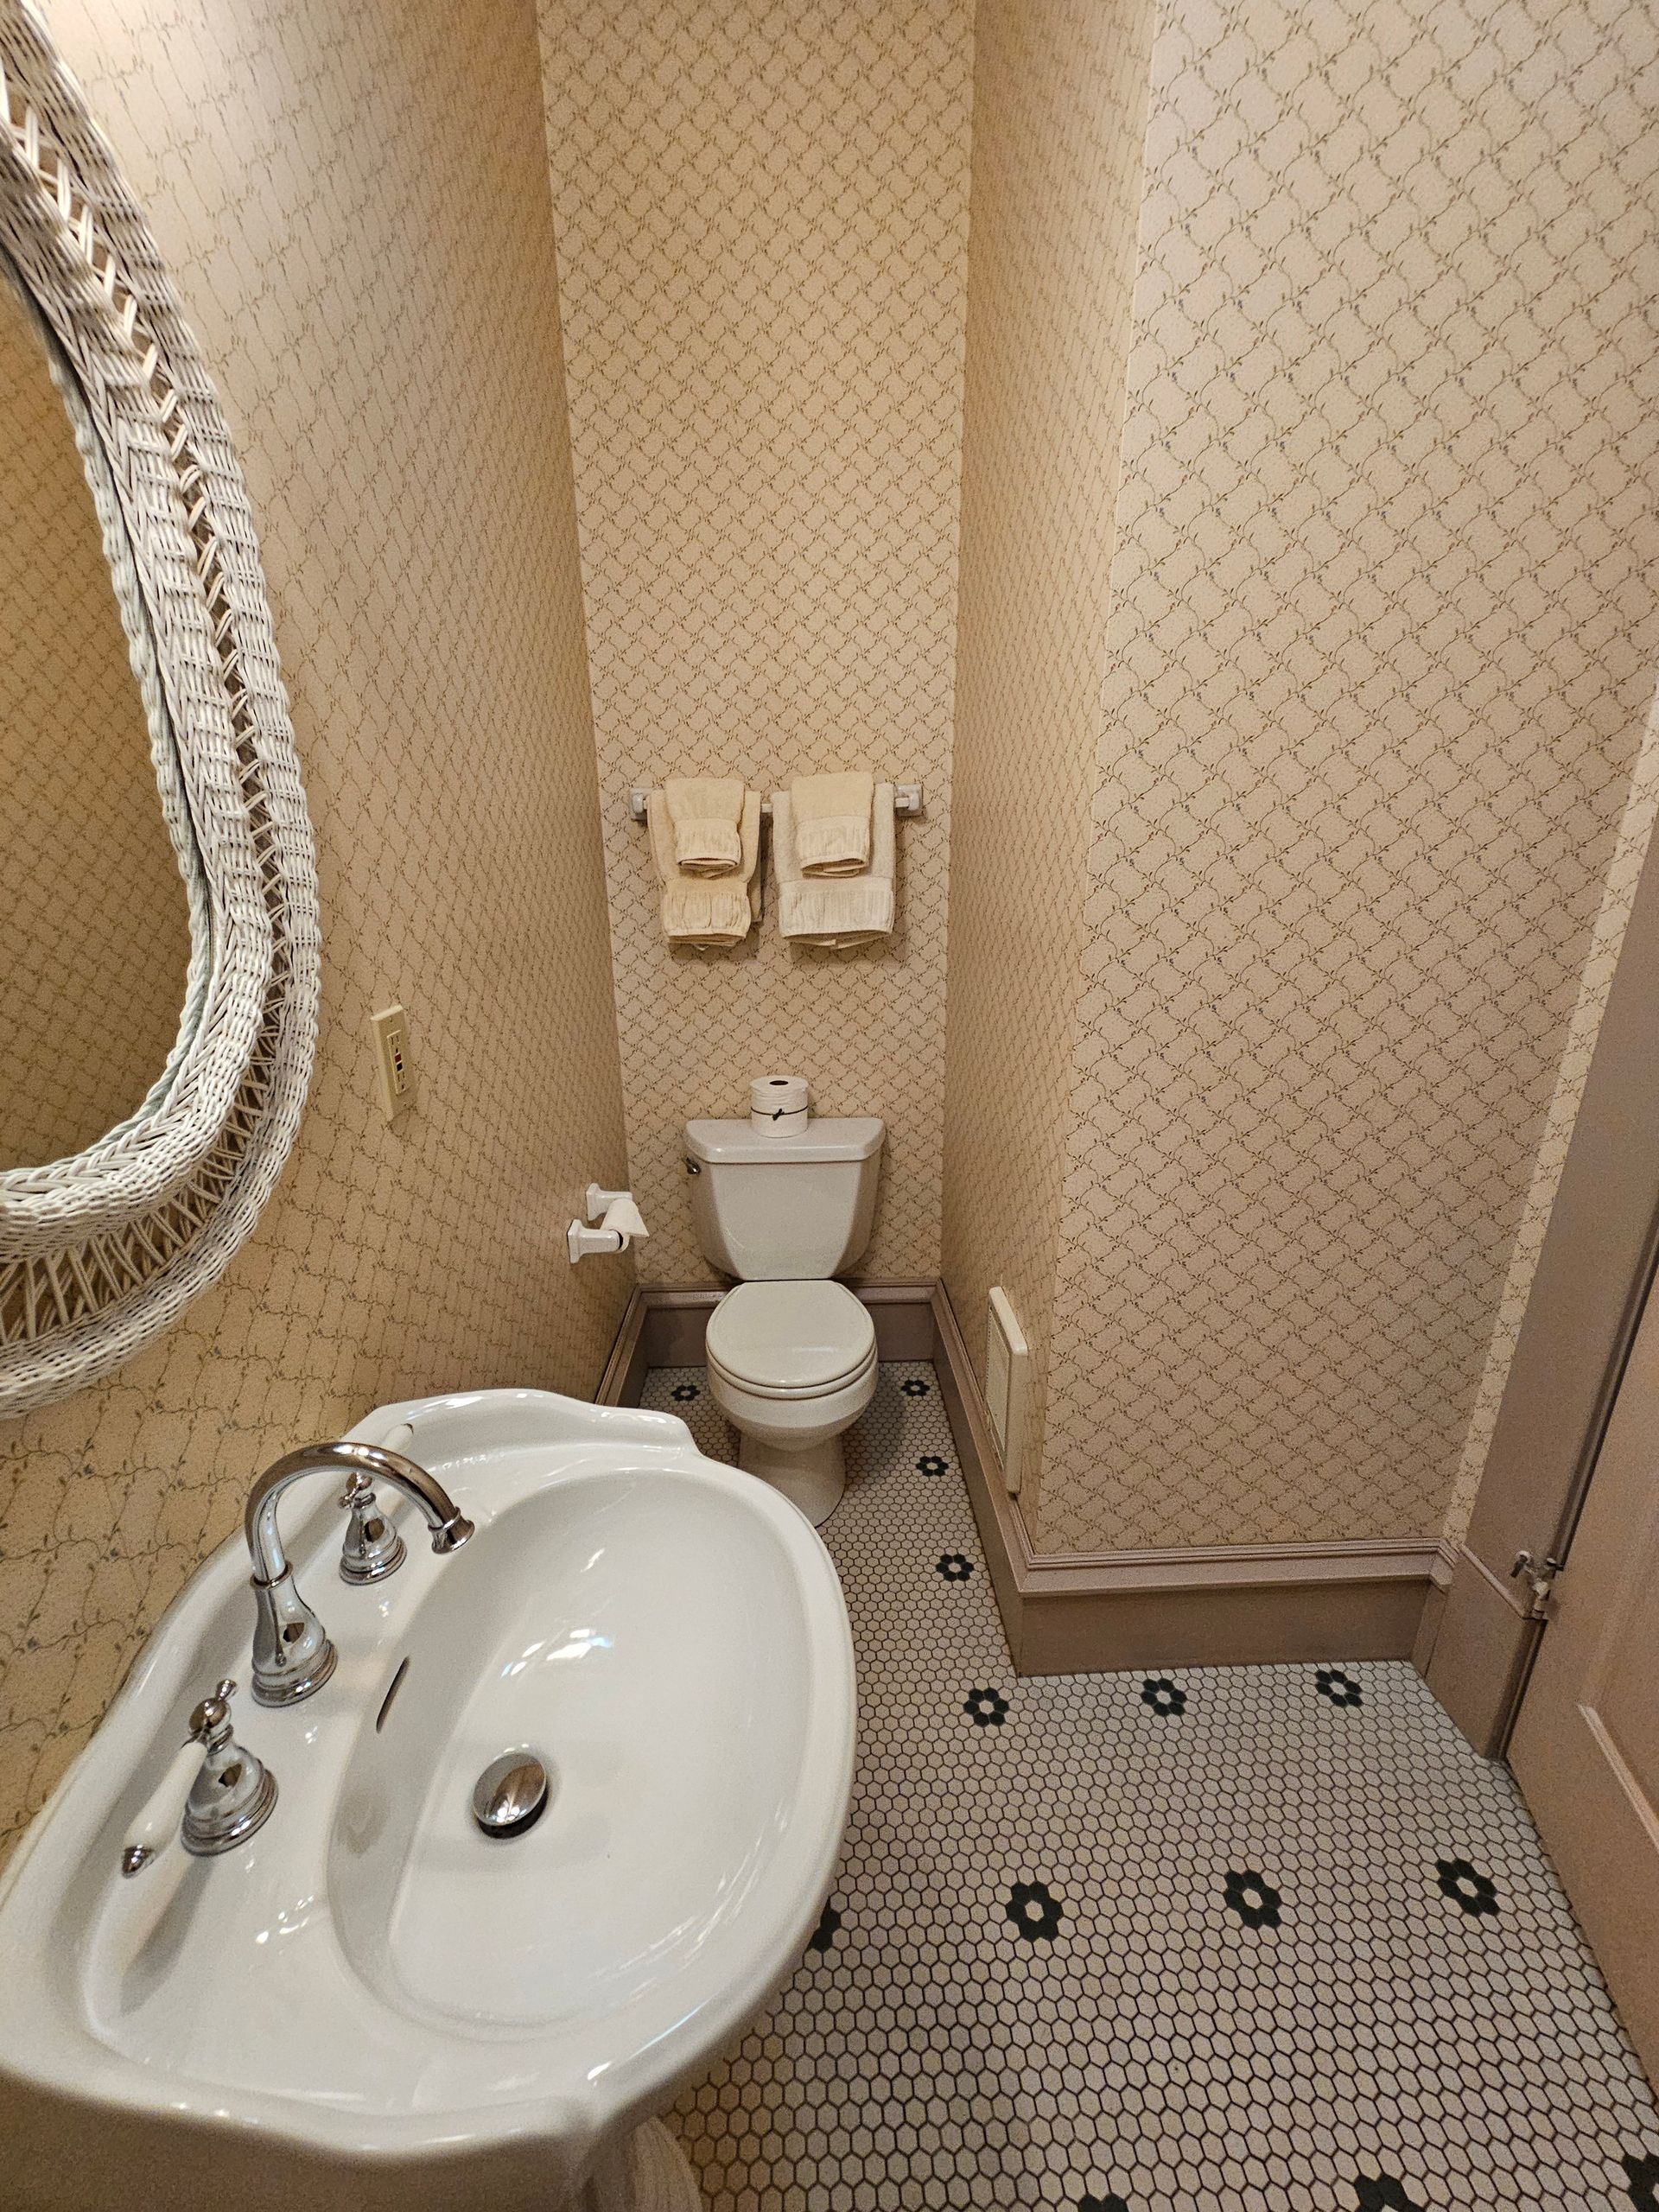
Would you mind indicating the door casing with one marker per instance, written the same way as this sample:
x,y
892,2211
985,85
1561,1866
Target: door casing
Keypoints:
x,y
1593,1274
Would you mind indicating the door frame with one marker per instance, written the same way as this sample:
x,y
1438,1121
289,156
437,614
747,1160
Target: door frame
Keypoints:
x,y
1595,1269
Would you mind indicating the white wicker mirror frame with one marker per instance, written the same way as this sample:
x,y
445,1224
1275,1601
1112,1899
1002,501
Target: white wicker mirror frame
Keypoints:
x,y
99,1253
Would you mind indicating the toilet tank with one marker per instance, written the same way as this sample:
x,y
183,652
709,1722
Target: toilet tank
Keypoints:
x,y
783,1208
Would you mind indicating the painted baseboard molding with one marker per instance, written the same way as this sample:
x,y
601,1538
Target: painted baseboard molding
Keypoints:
x,y
625,1371
664,1325
1210,1606
1207,1605
1485,1640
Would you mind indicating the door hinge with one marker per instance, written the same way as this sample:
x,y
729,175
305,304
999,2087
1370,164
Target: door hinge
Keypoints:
x,y
1540,1580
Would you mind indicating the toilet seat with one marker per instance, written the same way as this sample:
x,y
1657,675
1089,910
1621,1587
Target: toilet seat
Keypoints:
x,y
791,1340
768,1394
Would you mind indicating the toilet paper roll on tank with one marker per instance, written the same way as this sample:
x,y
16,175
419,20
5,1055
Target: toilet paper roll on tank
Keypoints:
x,y
779,1105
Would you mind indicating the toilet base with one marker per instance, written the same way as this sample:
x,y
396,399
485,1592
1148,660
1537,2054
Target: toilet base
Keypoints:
x,y
812,1479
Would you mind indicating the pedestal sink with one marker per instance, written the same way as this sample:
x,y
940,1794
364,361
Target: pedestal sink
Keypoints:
x,y
373,2001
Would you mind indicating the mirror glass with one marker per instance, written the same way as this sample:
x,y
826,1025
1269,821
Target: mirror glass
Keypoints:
x,y
94,922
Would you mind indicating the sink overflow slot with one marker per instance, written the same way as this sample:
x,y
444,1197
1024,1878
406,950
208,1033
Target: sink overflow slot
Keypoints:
x,y
393,1688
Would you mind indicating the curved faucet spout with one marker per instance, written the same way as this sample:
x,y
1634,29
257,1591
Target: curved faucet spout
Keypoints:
x,y
293,1655
364,1464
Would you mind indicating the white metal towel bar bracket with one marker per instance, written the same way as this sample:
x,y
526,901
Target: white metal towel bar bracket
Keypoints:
x,y
907,802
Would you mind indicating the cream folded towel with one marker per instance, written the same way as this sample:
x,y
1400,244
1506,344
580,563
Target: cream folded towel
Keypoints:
x,y
707,812
698,911
832,822
839,910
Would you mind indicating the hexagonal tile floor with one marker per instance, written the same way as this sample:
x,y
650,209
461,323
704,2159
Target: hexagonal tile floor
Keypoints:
x,y
1246,1938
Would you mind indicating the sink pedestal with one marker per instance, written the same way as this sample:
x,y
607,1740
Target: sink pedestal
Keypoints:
x,y
649,2173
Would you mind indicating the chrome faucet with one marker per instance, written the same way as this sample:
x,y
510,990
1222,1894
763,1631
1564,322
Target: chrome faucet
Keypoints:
x,y
293,1655
215,1794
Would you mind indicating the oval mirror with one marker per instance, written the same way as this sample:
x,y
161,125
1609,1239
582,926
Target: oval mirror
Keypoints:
x,y
159,945
95,925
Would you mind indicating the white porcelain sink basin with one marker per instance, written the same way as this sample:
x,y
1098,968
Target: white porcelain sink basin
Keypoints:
x,y
370,1999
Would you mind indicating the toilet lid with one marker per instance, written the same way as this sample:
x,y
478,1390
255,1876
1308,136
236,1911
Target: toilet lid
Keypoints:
x,y
791,1336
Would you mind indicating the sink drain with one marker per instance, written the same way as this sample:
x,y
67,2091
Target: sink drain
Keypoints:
x,y
511,1794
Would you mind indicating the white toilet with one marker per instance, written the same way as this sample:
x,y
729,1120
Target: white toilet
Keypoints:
x,y
790,1351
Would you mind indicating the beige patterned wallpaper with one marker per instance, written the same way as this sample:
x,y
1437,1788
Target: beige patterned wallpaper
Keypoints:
x,y
355,204
94,930
761,212
1382,643
1059,117
1375,656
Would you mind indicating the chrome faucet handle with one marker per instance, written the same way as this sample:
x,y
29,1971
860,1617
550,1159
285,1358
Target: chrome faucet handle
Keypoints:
x,y
212,1713
215,1794
374,1549
235,1789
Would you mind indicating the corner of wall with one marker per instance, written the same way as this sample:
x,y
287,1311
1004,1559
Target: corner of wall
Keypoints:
x,y
1362,787
1059,110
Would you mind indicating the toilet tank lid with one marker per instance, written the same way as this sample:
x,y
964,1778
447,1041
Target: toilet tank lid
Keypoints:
x,y
734,1144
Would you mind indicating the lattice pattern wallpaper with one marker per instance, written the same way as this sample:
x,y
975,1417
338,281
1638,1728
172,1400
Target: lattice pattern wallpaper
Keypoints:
x,y
1367,798
761,213
94,930
1382,643
1060,117
371,269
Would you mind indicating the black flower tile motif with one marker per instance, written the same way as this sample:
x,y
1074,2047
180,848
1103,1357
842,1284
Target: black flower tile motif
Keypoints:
x,y
1340,1689
684,1392
1033,1911
878,2040
823,1934
913,1386
986,1708
931,1463
954,1566
1383,2193
1475,1892
1256,1901
1163,1695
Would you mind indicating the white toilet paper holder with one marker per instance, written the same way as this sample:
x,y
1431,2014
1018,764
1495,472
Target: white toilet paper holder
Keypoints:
x,y
619,1220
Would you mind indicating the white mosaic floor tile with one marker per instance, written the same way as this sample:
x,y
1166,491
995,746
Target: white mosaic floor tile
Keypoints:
x,y
1245,1939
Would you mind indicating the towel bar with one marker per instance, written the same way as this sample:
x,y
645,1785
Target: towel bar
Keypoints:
x,y
906,801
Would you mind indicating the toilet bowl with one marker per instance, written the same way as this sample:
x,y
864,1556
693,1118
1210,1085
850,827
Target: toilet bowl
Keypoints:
x,y
792,1365
790,1351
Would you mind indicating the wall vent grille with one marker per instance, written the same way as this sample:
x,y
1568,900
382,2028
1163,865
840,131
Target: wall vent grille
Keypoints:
x,y
1008,1370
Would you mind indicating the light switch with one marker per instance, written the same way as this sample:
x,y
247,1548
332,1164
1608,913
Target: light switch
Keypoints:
x,y
393,1061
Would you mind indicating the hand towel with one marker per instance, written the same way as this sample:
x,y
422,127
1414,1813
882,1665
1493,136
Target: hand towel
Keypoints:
x,y
832,816
707,812
840,911
697,911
